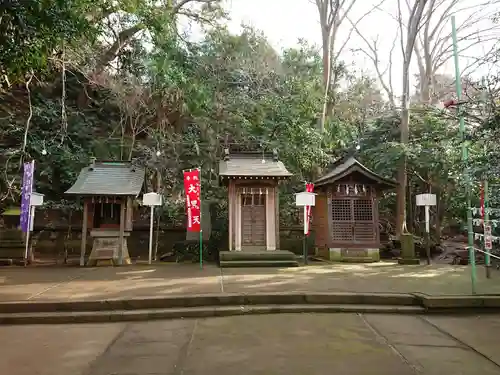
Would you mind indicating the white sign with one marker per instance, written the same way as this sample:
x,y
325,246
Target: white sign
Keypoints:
x,y
305,198
36,199
488,245
152,199
426,200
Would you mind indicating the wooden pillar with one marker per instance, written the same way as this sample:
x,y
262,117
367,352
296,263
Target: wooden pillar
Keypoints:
x,y
122,231
84,233
276,216
330,218
129,215
270,219
237,244
375,218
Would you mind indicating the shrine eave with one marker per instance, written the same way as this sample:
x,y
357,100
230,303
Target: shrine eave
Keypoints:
x,y
345,167
252,166
112,179
254,177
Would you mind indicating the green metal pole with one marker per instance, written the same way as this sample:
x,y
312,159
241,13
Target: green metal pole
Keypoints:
x,y
201,225
486,222
306,223
465,157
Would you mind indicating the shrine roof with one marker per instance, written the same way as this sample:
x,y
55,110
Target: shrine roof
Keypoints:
x,y
252,164
109,178
348,166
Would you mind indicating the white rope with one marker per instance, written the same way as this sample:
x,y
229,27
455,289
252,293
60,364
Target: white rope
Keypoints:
x,y
485,252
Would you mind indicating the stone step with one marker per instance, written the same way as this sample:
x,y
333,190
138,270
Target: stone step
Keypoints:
x,y
258,263
226,299
12,253
196,312
257,255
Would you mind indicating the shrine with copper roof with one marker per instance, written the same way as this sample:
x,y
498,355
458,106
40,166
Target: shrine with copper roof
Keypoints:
x,y
345,218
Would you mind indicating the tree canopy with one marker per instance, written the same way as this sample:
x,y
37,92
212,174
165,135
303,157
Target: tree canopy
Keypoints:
x,y
120,80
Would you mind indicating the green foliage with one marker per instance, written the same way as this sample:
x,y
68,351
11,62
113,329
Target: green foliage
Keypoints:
x,y
173,103
33,30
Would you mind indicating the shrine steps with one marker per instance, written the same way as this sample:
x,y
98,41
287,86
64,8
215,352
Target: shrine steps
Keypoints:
x,y
273,258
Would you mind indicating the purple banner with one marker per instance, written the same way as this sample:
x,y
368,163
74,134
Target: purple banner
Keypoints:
x,y
29,169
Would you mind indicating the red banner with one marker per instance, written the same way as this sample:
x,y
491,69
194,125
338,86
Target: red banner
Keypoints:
x,y
309,189
192,187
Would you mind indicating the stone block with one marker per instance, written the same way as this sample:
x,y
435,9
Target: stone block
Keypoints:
x,y
355,255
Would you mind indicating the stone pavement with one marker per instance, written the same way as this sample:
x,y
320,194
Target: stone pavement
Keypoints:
x,y
74,283
291,344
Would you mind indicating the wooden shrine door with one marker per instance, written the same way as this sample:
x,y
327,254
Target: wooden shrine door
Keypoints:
x,y
353,221
253,221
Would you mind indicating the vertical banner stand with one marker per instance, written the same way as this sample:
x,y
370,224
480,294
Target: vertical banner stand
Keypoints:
x,y
427,200
27,248
151,224
201,225
304,199
200,207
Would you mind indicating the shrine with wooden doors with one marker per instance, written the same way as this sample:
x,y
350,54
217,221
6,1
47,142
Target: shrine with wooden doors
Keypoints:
x,y
345,217
252,179
108,189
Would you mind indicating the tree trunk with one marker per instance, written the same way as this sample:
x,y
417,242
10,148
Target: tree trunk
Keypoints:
x,y
410,208
439,214
326,36
402,176
124,38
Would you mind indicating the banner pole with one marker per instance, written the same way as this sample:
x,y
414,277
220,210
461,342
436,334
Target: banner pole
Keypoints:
x,y
201,227
486,221
306,224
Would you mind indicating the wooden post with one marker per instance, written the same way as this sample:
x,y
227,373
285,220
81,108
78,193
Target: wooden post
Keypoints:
x,y
122,232
231,198
276,217
84,233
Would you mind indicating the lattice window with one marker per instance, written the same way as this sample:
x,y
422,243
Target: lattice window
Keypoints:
x,y
353,220
342,232
253,199
341,210
363,210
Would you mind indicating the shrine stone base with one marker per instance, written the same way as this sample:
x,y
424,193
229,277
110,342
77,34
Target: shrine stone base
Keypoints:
x,y
408,250
105,248
361,255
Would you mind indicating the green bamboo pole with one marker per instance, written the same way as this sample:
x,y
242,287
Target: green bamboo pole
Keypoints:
x,y
486,222
465,157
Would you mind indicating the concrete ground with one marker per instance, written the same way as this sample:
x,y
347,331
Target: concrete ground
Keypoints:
x,y
74,283
294,344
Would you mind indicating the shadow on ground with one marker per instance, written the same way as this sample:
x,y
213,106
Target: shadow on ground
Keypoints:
x,y
74,283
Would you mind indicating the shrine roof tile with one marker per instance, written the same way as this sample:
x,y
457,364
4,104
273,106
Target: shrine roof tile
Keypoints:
x,y
109,178
253,165
345,167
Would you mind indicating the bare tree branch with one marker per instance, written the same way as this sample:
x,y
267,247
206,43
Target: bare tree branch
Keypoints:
x,y
373,54
126,35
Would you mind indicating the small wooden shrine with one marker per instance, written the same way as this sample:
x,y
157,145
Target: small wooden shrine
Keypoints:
x,y
252,179
345,217
107,189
